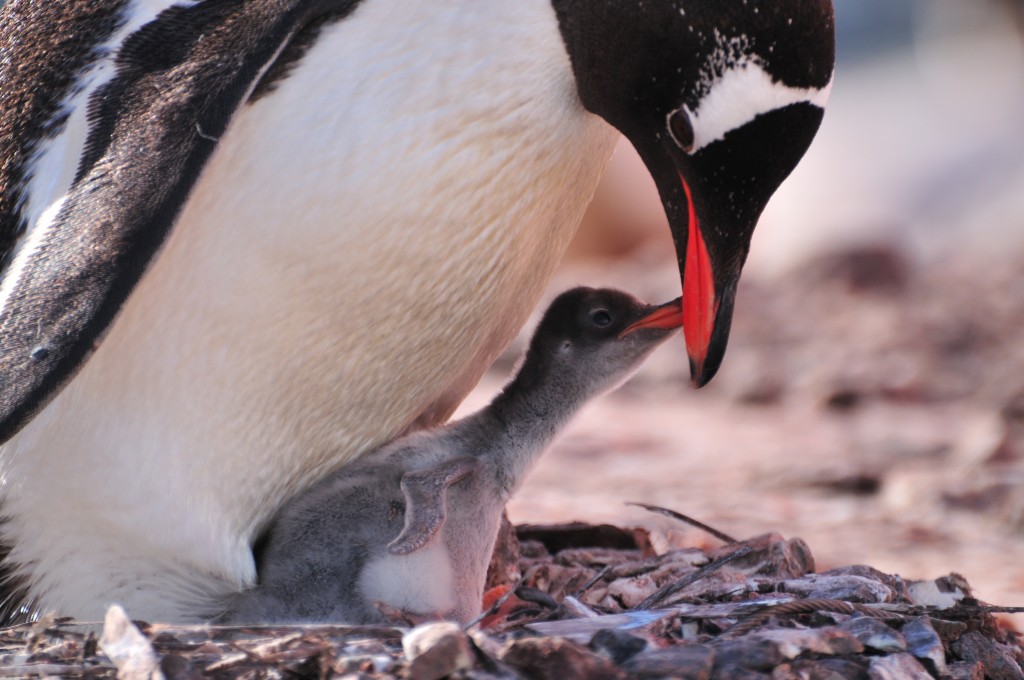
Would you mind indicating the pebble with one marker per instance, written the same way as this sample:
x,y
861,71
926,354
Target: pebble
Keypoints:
x,y
693,662
875,635
998,661
792,642
925,644
897,667
437,650
822,669
617,645
849,588
557,659
128,648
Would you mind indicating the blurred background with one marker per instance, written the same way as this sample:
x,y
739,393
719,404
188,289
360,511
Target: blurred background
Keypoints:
x,y
872,399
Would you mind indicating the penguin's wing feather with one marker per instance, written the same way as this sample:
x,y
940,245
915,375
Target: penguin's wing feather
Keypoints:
x,y
179,80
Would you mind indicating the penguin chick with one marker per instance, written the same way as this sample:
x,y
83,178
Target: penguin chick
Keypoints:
x,y
411,527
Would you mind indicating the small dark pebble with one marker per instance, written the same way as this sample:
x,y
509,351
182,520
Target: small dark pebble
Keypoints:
x,y
858,484
177,667
878,269
843,400
756,654
618,645
692,662
738,673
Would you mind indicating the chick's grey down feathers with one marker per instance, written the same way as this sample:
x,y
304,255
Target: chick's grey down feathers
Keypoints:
x,y
327,553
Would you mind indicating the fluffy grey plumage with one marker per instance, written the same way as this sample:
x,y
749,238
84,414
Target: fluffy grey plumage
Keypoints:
x,y
412,525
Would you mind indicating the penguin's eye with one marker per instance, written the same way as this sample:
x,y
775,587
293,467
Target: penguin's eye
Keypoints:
x,y
601,318
681,128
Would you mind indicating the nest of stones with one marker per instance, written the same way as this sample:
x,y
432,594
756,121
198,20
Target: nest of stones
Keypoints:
x,y
586,601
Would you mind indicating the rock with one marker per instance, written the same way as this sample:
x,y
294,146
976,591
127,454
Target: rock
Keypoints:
x,y
897,667
689,662
849,588
822,669
924,643
484,642
860,483
531,549
557,659
363,663
752,653
576,609
738,673
997,661
949,631
965,670
874,634
583,630
792,642
128,648
558,581
617,645
436,650
843,398
630,592
177,667
895,583
770,554
596,557
720,584
850,668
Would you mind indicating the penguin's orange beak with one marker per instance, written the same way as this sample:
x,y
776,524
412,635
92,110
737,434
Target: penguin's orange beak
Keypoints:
x,y
666,316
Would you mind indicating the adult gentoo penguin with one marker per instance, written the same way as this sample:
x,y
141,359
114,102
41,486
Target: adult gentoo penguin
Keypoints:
x,y
248,240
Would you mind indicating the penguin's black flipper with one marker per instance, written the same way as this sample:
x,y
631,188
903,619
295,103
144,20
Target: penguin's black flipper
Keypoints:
x,y
152,128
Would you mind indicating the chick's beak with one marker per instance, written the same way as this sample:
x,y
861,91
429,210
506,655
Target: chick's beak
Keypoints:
x,y
666,316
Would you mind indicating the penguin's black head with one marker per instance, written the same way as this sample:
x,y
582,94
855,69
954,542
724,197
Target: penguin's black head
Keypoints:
x,y
721,98
594,316
590,338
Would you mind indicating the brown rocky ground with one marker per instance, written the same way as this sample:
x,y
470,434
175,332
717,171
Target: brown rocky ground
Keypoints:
x,y
593,602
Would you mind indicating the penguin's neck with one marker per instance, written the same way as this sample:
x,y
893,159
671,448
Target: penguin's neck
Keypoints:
x,y
523,420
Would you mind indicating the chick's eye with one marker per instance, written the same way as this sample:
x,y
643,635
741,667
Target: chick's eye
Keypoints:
x,y
682,129
601,318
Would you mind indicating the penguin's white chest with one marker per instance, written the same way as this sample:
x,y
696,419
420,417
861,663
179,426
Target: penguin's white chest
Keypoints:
x,y
362,244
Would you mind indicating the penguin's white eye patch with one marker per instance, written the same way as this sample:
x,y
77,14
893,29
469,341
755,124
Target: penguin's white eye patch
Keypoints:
x,y
739,95
681,129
